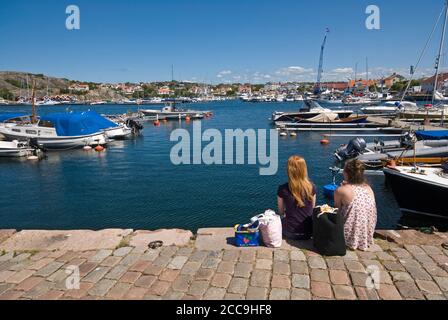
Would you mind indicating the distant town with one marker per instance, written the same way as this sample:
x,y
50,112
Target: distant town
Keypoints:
x,y
16,88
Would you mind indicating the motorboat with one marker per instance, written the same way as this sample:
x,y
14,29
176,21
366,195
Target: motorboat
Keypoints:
x,y
380,110
420,190
375,154
170,111
47,102
359,101
98,103
311,110
60,130
17,149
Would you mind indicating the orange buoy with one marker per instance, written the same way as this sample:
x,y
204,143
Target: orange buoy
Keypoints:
x,y
187,118
99,148
324,142
156,123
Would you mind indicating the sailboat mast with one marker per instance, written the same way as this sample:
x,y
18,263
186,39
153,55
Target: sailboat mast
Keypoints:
x,y
367,75
439,57
33,104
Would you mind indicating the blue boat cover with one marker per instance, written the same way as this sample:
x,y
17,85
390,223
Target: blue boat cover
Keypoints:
x,y
78,123
7,116
433,135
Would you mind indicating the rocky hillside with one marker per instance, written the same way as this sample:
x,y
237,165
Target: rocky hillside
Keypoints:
x,y
16,84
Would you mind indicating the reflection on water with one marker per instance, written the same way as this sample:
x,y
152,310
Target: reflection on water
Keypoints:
x,y
132,184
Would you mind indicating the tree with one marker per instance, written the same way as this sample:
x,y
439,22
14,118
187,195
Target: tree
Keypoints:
x,y
6,94
398,86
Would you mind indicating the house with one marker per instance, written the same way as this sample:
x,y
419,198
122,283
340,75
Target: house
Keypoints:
x,y
428,83
340,86
245,89
78,87
393,79
164,91
361,84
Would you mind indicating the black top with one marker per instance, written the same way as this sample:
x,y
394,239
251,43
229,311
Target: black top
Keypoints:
x,y
298,220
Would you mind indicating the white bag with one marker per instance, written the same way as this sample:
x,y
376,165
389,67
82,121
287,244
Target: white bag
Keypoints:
x,y
271,229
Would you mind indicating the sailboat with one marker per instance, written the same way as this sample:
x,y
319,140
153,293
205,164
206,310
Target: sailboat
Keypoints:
x,y
432,112
58,131
421,190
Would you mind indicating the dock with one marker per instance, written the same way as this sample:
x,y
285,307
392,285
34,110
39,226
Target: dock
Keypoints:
x,y
402,124
118,264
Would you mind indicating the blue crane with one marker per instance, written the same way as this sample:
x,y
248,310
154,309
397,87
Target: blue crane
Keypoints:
x,y
317,89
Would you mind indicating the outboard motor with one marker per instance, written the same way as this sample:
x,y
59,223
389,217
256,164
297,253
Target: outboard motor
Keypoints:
x,y
33,143
445,168
134,125
407,140
354,148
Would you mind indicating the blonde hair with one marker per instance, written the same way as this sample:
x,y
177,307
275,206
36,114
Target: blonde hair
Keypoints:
x,y
299,183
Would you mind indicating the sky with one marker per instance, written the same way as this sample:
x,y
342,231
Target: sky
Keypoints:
x,y
215,41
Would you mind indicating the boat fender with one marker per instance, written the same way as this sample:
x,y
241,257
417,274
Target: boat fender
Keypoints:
x,y
99,148
87,148
324,142
33,158
187,118
156,123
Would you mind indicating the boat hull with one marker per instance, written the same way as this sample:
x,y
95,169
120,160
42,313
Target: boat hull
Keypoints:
x,y
416,196
58,143
118,133
173,115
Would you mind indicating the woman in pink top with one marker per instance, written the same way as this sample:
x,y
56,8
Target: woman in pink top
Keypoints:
x,y
356,201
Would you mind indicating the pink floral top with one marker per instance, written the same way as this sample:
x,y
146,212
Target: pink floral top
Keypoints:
x,y
360,219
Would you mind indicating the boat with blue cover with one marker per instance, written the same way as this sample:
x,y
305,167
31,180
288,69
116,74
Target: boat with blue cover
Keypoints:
x,y
60,130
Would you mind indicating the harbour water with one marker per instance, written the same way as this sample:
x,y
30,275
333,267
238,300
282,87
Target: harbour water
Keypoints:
x,y
133,184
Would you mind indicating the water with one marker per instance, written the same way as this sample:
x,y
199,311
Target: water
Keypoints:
x,y
134,184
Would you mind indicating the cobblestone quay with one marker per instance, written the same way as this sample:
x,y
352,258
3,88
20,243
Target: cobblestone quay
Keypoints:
x,y
117,264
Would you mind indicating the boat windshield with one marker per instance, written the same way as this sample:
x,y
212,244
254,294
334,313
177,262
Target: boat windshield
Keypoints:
x,y
46,124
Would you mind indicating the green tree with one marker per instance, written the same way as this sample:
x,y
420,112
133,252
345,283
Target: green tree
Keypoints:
x,y
6,94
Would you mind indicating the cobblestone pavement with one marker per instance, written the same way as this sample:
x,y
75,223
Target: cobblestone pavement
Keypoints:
x,y
412,272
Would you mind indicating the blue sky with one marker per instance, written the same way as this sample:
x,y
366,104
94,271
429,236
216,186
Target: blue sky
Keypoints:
x,y
213,40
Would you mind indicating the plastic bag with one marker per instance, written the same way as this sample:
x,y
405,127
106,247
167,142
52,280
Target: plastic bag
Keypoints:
x,y
271,229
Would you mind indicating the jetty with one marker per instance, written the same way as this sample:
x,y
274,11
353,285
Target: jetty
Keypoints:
x,y
396,123
119,264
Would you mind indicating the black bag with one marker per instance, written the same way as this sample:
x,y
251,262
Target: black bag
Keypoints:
x,y
328,233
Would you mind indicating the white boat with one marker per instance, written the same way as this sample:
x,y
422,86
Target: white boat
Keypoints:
x,y
16,149
47,102
311,110
359,101
59,131
97,103
420,190
171,112
380,110
120,132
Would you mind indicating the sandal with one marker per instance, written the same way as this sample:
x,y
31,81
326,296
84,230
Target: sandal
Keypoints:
x,y
155,244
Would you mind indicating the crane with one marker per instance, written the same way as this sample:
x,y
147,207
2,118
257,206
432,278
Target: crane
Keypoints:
x,y
320,70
